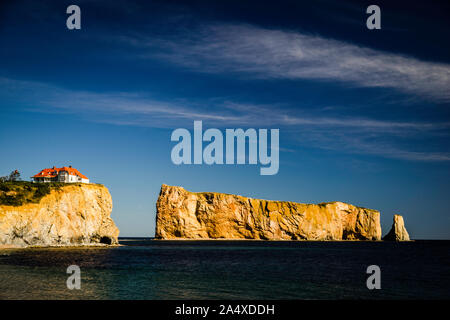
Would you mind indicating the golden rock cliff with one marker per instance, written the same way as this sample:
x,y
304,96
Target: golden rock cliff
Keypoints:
x,y
186,215
71,215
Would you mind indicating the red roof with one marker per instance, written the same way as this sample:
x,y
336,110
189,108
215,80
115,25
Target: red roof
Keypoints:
x,y
53,172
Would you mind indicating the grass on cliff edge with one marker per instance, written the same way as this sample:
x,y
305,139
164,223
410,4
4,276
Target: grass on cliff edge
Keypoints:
x,y
18,193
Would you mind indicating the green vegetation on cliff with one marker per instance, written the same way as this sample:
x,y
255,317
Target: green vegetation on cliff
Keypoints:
x,y
17,193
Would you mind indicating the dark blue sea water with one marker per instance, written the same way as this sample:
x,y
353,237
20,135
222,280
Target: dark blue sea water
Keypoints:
x,y
151,269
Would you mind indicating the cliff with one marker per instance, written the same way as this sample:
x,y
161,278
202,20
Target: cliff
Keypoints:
x,y
398,231
67,215
185,215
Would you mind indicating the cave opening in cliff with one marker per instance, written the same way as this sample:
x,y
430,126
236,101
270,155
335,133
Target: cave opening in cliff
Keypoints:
x,y
106,240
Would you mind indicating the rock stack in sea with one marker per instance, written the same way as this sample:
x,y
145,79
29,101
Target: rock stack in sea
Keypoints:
x,y
186,215
398,231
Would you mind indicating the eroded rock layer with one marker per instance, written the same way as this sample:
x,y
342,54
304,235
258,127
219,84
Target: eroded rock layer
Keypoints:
x,y
72,215
186,215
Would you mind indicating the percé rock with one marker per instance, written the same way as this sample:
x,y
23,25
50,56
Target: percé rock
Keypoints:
x,y
71,216
398,231
186,215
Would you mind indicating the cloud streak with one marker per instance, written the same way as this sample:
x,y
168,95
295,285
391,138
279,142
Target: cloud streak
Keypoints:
x,y
340,134
277,54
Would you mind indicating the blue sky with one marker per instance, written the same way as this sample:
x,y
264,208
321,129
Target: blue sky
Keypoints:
x,y
363,115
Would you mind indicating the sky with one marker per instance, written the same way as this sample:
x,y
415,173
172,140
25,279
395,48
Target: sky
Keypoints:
x,y
363,114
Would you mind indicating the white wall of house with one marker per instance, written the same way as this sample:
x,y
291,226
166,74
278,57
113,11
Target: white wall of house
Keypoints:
x,y
63,176
74,179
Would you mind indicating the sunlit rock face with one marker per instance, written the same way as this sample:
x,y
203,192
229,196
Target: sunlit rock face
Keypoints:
x,y
73,215
186,215
398,231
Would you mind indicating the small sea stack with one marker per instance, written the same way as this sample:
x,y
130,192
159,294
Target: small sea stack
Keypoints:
x,y
398,231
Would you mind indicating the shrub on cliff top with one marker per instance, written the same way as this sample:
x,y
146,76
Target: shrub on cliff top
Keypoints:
x,y
17,193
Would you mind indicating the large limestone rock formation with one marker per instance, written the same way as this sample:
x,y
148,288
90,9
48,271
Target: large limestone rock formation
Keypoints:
x,y
186,215
398,231
72,215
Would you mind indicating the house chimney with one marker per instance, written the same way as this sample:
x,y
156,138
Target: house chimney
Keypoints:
x,y
70,166
53,167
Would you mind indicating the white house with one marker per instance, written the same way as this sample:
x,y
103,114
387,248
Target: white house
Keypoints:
x,y
64,174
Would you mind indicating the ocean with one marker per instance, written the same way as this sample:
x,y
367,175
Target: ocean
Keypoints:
x,y
152,269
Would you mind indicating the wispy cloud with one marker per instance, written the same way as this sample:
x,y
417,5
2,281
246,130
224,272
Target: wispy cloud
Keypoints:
x,y
375,143
278,54
339,134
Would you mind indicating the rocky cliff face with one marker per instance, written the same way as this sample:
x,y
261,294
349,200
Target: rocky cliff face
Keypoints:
x,y
72,215
398,231
182,214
